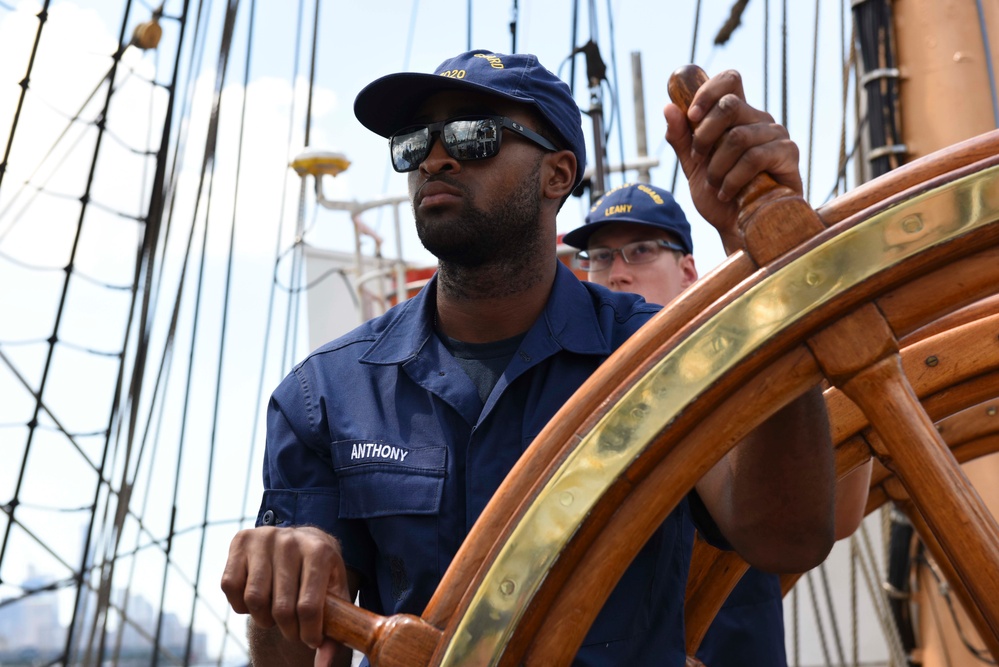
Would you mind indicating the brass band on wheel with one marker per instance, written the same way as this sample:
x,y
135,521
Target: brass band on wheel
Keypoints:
x,y
735,332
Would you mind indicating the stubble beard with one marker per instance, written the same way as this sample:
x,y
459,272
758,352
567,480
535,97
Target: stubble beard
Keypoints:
x,y
488,252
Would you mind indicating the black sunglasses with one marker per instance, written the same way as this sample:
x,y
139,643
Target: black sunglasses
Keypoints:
x,y
465,138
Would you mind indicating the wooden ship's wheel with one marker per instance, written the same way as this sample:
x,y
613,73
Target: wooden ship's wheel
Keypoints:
x,y
887,295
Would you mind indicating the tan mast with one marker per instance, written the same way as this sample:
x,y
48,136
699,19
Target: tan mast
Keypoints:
x,y
945,97
944,86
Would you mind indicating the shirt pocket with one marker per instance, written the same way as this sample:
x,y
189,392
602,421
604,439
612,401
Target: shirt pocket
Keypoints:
x,y
378,479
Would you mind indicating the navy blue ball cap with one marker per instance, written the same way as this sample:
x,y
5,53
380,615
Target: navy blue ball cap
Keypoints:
x,y
389,104
637,203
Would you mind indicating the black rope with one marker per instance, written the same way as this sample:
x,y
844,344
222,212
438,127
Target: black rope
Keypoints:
x,y
312,76
733,21
72,121
227,290
811,106
898,570
841,173
289,289
141,152
271,300
298,261
271,307
104,593
766,55
47,366
103,482
616,106
514,16
783,47
594,35
847,62
34,423
69,434
207,171
693,52
573,39
874,34
251,457
114,211
410,38
168,198
291,324
54,269
980,654
144,272
42,17
120,608
145,269
410,35
827,594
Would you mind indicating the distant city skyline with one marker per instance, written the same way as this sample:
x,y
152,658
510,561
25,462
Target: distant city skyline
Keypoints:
x,y
31,631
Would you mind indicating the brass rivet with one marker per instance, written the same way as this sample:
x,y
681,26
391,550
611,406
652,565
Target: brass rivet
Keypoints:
x,y
566,498
813,278
932,361
507,587
912,224
991,411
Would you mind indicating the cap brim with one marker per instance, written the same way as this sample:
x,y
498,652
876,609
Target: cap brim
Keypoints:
x,y
580,237
389,104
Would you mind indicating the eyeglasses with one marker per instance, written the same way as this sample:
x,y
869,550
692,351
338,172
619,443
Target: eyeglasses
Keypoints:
x,y
639,252
465,138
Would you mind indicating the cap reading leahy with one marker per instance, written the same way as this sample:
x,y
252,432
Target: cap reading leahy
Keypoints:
x,y
637,203
389,104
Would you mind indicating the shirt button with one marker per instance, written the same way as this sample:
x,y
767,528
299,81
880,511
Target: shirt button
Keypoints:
x,y
269,518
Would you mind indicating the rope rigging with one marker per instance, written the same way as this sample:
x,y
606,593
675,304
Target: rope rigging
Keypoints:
x,y
134,443
72,121
874,34
99,626
227,40
693,53
514,16
207,173
42,17
734,21
106,483
979,654
811,106
766,55
615,119
47,366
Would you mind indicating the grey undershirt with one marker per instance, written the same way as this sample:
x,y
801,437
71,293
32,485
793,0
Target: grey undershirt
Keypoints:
x,y
483,362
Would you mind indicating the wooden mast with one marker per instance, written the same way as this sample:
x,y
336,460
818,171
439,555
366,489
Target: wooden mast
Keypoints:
x,y
945,90
947,94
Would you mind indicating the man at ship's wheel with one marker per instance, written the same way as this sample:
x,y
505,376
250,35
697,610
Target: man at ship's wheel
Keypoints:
x,y
384,445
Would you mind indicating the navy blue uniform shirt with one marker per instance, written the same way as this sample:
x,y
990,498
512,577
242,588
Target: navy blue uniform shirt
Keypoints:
x,y
381,439
748,630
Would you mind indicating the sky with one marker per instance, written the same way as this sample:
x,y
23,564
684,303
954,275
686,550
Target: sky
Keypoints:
x,y
219,383
361,41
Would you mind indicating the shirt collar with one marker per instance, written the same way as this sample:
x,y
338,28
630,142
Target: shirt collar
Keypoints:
x,y
569,319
